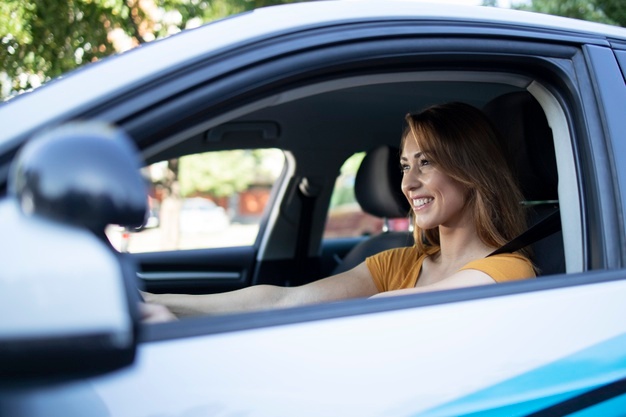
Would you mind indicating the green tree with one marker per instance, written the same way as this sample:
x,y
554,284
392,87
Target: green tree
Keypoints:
x,y
612,12
224,173
615,10
344,186
42,39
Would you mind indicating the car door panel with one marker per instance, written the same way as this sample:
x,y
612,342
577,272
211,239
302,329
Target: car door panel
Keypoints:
x,y
543,350
196,271
432,360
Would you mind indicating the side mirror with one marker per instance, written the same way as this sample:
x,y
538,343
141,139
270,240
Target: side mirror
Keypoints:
x,y
68,300
85,174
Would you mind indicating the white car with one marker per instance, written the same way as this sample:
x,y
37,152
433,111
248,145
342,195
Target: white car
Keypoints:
x,y
321,81
199,215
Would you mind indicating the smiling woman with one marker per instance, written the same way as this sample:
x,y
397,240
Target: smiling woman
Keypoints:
x,y
465,204
458,149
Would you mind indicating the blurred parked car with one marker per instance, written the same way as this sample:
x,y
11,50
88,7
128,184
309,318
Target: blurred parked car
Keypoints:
x,y
201,215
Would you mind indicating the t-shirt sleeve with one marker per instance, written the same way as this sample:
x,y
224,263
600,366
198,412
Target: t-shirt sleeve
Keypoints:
x,y
379,265
394,269
504,267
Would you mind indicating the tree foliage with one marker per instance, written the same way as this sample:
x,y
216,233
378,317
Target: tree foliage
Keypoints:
x,y
225,173
344,186
612,12
42,39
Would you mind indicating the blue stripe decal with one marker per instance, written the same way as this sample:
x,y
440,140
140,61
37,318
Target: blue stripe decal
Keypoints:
x,y
545,386
610,408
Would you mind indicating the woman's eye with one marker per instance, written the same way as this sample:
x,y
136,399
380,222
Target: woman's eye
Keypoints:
x,y
424,162
404,167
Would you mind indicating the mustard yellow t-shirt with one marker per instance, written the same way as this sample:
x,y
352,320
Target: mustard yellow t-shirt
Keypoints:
x,y
396,269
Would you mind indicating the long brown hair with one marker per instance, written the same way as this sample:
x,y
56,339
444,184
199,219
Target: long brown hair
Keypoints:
x,y
463,143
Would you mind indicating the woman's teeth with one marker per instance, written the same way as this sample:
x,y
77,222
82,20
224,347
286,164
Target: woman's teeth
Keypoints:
x,y
419,202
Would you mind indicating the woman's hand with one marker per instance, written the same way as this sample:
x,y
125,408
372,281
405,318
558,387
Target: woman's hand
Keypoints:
x,y
155,313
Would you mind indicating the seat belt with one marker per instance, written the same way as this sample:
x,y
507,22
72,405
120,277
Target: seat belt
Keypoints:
x,y
542,229
308,193
308,268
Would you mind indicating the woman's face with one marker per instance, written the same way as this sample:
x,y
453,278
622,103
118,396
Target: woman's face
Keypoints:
x,y
436,199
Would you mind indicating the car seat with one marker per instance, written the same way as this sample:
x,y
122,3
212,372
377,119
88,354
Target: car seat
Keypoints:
x,y
529,146
377,190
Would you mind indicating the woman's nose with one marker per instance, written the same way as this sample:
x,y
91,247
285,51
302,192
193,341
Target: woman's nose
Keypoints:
x,y
411,180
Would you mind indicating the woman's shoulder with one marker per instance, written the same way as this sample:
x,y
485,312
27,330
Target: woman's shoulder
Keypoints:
x,y
393,258
504,267
395,253
395,269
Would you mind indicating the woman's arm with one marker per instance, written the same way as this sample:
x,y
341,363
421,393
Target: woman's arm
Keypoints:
x,y
354,283
464,278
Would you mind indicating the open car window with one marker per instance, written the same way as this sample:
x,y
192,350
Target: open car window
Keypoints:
x,y
325,153
206,200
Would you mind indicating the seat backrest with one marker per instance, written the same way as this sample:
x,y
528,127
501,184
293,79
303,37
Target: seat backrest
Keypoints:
x,y
377,190
529,146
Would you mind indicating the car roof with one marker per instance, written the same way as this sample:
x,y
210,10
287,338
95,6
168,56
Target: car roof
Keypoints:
x,y
109,77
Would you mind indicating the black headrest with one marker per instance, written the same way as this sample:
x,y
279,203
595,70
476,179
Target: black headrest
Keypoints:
x,y
527,142
377,184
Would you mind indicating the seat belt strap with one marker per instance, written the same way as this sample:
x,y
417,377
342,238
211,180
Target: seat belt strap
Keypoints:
x,y
542,229
308,194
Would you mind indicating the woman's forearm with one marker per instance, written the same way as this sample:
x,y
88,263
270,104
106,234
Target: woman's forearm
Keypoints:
x,y
355,283
258,297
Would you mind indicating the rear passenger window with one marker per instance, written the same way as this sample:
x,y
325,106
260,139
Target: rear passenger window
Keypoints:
x,y
345,216
207,200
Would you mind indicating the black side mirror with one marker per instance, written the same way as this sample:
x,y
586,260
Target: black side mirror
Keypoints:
x,y
85,174
69,302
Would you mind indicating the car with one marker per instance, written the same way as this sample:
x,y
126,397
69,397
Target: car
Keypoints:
x,y
199,214
309,85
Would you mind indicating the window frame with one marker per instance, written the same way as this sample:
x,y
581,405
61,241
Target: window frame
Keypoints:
x,y
557,70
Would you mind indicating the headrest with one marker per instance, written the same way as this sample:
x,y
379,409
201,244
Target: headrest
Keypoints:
x,y
528,143
377,184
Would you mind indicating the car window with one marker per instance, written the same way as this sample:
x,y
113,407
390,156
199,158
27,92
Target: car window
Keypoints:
x,y
345,216
206,200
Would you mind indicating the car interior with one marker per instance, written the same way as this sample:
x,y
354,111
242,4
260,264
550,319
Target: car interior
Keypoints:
x,y
319,126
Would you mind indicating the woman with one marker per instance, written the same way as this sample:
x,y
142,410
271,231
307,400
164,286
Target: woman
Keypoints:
x,y
465,203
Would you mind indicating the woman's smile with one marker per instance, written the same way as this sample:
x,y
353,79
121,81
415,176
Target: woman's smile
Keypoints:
x,y
420,203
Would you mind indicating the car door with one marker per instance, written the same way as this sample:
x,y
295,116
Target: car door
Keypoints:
x,y
292,357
